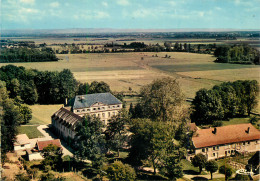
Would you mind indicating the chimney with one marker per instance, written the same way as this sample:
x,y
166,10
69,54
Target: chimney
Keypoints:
x,y
214,131
248,130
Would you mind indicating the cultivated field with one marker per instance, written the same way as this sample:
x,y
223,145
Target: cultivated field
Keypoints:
x,y
124,70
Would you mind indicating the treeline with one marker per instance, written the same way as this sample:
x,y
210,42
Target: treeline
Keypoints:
x,y
225,101
12,114
24,54
45,87
242,54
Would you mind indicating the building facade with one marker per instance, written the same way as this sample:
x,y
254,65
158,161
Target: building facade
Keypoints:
x,y
102,105
225,141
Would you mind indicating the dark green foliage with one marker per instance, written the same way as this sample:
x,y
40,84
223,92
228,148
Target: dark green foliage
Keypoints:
x,y
10,117
26,113
236,54
199,160
253,120
42,87
118,171
225,101
217,123
50,177
211,166
52,157
89,140
98,87
149,141
116,131
226,170
83,89
23,54
208,107
242,177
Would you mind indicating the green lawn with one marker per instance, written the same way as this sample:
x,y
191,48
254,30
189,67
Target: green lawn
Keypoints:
x,y
237,121
30,131
41,114
200,67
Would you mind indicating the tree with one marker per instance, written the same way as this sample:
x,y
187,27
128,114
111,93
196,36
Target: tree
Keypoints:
x,y
116,131
226,170
82,89
211,166
52,157
119,171
242,177
26,113
149,141
29,93
253,120
89,140
9,117
22,177
14,88
98,87
207,106
160,99
252,92
199,160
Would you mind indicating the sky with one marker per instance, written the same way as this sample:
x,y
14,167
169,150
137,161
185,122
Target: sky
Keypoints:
x,y
130,14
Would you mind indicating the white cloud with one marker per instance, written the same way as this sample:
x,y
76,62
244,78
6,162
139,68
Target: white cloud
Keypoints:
x,y
218,8
27,1
27,11
123,2
92,15
105,4
55,4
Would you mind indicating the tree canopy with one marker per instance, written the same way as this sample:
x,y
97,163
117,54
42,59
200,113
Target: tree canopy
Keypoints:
x,y
199,160
119,171
160,99
211,166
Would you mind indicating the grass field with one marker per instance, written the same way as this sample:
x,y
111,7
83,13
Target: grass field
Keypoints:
x,y
41,114
30,131
135,69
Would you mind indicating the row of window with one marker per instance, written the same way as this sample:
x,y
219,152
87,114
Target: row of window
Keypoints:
x,y
228,146
98,108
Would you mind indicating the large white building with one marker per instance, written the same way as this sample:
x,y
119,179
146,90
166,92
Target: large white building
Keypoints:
x,y
102,105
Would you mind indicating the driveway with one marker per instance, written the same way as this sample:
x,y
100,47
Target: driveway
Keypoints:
x,y
48,135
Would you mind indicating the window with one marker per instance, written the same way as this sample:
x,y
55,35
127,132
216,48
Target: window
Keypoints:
x,y
94,109
207,149
103,115
203,149
88,109
256,142
103,107
225,152
248,142
214,148
214,154
78,110
228,151
99,108
217,147
113,106
108,114
118,106
244,143
22,145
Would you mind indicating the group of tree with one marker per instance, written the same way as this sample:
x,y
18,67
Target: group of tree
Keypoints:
x,y
200,161
25,54
32,86
243,54
225,101
12,114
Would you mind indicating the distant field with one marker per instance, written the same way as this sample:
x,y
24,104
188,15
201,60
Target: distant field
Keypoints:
x,y
133,70
30,131
41,114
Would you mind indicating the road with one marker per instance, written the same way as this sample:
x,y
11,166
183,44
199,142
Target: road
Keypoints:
x,y
48,135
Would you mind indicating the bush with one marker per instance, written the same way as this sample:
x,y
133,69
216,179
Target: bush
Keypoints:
x,y
226,170
119,171
242,177
217,123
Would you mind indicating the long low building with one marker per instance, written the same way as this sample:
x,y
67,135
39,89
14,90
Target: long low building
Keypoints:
x,y
225,141
102,105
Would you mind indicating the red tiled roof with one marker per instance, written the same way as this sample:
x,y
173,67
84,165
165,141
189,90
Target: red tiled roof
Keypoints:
x,y
43,144
225,135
